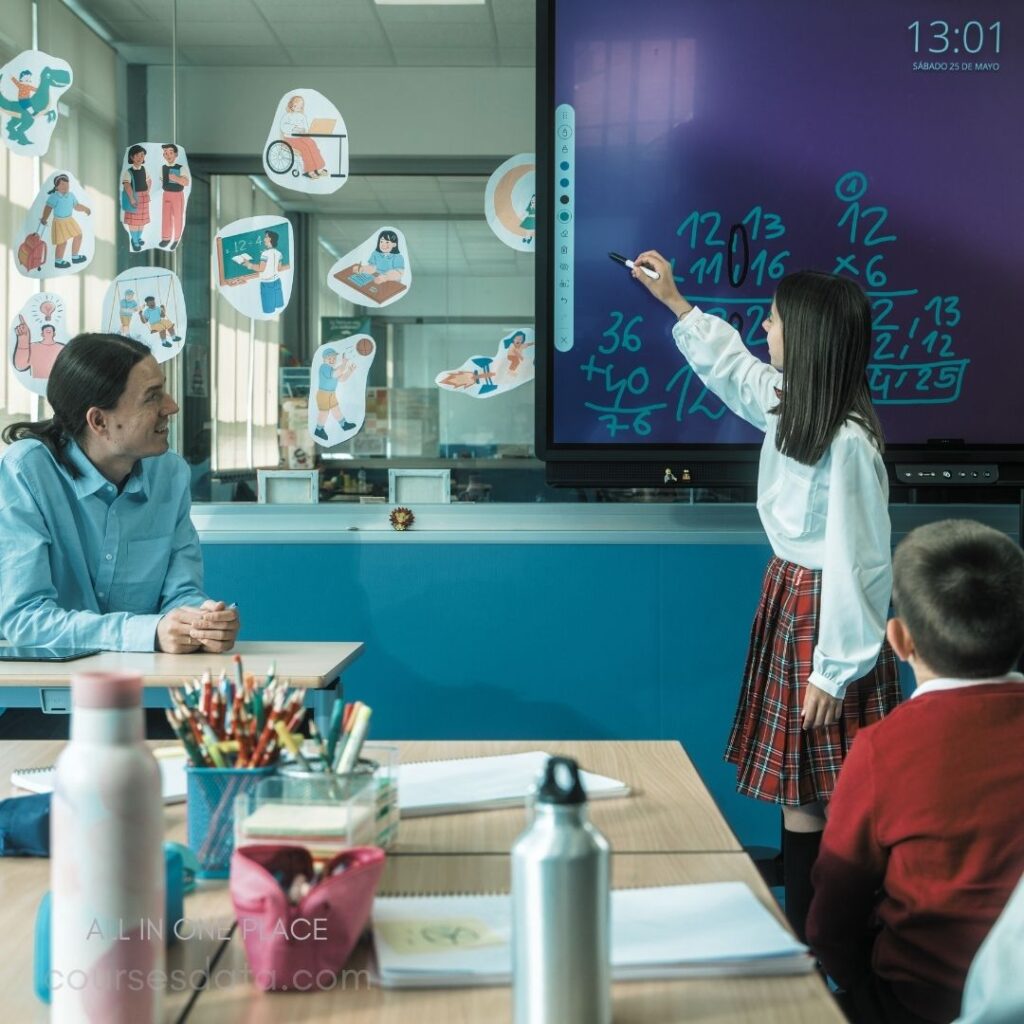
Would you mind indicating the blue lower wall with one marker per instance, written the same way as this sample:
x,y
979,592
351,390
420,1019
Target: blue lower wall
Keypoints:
x,y
496,641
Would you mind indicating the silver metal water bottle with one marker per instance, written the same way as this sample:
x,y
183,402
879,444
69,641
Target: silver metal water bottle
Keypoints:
x,y
560,908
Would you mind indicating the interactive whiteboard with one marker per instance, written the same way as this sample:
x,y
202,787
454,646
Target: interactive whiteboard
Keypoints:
x,y
747,139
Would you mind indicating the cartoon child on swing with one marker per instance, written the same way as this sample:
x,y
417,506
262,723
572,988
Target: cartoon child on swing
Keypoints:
x,y
155,318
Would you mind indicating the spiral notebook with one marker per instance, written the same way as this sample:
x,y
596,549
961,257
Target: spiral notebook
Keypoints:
x,y
172,761
672,931
483,783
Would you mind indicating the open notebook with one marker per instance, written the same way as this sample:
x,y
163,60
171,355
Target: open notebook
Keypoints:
x,y
172,763
483,783
673,931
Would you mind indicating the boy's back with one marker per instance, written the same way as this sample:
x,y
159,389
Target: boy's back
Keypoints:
x,y
925,836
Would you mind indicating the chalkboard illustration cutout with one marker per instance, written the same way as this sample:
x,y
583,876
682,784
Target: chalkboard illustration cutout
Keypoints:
x,y
307,145
37,334
256,251
30,87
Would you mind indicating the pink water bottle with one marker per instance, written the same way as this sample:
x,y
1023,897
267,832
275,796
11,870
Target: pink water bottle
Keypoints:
x,y
107,865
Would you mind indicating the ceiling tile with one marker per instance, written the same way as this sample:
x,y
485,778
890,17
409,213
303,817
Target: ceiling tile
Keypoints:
x,y
335,32
442,34
244,33
452,57
349,12
237,56
341,57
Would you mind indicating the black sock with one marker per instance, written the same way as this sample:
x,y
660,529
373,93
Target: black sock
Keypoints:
x,y
799,852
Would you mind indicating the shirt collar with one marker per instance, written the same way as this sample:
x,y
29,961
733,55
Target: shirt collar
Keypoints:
x,y
935,685
92,481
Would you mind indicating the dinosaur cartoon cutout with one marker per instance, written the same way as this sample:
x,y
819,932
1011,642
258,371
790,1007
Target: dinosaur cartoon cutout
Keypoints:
x,y
489,376
30,87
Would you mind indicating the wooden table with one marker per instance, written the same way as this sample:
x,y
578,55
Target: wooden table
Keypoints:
x,y
669,809
480,867
800,999
315,666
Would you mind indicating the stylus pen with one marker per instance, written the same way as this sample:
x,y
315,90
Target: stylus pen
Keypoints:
x,y
619,258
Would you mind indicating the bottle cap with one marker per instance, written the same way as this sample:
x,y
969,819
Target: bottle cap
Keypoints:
x,y
560,783
106,689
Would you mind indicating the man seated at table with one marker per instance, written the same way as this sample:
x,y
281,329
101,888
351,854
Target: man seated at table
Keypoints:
x,y
97,548
924,844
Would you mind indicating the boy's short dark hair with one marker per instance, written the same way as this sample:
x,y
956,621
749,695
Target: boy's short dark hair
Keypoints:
x,y
959,587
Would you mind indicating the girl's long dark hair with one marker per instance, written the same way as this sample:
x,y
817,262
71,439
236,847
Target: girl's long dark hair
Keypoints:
x,y
90,370
389,236
826,330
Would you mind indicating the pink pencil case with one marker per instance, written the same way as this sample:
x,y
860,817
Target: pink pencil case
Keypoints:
x,y
291,945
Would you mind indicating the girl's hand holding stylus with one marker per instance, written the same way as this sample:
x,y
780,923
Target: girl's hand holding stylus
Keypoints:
x,y
820,708
664,288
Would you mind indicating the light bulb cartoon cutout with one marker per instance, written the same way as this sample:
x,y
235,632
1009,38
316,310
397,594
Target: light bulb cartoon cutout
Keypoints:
x,y
147,304
377,272
57,237
30,87
337,388
307,145
510,202
36,336
489,376
153,191
255,261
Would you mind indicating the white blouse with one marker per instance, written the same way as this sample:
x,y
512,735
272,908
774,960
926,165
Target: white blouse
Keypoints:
x,y
832,516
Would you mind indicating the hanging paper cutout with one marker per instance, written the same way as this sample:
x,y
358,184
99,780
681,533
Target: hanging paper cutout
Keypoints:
x,y
307,146
376,273
337,388
255,265
57,237
30,87
147,304
36,337
487,376
510,201
153,192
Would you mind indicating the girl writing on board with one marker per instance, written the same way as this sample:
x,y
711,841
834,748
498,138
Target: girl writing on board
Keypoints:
x,y
818,666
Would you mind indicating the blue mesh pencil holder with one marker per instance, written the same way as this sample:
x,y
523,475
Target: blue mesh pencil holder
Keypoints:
x,y
212,793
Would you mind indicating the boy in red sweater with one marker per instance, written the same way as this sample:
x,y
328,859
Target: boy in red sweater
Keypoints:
x,y
925,840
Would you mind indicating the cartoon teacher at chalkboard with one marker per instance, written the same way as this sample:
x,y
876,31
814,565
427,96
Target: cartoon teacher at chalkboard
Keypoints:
x,y
256,251
269,269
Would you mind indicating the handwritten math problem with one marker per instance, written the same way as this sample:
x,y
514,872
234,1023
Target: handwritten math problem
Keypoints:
x,y
729,266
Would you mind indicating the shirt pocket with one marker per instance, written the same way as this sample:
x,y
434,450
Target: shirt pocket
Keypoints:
x,y
790,505
145,569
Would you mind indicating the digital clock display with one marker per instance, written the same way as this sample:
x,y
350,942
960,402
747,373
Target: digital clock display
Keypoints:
x,y
972,37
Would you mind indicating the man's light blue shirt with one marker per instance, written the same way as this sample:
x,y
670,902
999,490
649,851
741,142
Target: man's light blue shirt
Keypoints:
x,y
82,565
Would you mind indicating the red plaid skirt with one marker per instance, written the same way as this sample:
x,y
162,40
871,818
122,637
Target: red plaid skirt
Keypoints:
x,y
139,217
777,761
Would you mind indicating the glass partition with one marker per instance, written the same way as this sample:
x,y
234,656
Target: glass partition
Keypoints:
x,y
410,83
